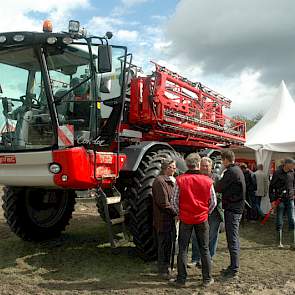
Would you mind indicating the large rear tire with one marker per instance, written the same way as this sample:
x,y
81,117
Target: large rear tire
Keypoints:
x,y
140,210
37,214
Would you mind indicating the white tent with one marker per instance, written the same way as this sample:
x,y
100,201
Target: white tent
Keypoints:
x,y
275,131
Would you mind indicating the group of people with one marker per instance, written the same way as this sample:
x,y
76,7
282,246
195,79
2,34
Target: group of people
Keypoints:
x,y
280,190
256,188
200,200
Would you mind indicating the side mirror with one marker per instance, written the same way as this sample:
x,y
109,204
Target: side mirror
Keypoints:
x,y
104,59
105,85
7,105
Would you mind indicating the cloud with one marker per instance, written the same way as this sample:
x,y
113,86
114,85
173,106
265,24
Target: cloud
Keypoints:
x,y
127,35
57,10
129,3
227,36
99,24
243,49
126,7
248,94
162,45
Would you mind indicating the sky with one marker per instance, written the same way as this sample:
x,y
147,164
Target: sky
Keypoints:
x,y
242,49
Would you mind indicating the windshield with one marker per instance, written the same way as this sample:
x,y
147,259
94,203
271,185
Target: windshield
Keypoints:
x,y
87,104
70,77
25,122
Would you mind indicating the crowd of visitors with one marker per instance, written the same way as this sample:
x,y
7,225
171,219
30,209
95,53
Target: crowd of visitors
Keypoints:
x,y
199,201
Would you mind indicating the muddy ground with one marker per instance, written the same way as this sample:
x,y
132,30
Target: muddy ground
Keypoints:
x,y
80,262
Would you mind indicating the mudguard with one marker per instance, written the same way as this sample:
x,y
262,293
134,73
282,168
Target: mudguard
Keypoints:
x,y
135,153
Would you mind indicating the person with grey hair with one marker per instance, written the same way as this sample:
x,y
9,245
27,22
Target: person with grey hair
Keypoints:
x,y
282,187
163,214
193,199
215,218
261,188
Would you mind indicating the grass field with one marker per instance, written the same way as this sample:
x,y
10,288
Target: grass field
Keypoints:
x,y
80,262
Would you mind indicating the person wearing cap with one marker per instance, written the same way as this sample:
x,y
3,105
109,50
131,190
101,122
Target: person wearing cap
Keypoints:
x,y
282,187
163,214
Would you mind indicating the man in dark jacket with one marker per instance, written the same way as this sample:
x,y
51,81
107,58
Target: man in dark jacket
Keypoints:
x,y
282,187
250,181
163,214
233,188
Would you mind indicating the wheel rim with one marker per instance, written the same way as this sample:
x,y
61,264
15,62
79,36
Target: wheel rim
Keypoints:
x,y
47,209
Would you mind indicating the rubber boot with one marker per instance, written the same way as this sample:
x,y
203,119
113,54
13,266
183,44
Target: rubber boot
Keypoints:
x,y
292,245
279,239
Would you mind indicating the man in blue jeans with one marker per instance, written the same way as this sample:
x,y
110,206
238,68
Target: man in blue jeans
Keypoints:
x,y
214,219
282,187
233,189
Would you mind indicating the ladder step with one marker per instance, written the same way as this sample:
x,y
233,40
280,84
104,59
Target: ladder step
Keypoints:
x,y
113,200
117,220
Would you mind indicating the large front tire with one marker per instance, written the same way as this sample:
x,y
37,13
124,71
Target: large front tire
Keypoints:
x,y
37,214
140,217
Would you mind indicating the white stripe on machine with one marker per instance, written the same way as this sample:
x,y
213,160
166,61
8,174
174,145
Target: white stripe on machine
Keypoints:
x,y
65,135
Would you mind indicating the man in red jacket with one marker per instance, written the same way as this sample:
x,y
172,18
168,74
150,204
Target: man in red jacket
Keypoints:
x,y
194,199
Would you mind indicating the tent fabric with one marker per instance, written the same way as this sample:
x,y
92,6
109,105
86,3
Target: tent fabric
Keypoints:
x,y
275,132
263,157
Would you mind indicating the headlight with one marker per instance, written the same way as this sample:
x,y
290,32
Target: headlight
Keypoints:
x,y
2,39
51,40
67,40
54,168
18,38
74,26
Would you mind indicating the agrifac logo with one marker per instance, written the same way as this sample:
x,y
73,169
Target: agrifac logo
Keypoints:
x,y
8,159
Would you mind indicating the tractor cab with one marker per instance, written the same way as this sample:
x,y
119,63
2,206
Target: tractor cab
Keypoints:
x,y
59,89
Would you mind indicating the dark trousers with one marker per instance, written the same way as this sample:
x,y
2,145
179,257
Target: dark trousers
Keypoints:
x,y
232,225
214,226
165,240
202,234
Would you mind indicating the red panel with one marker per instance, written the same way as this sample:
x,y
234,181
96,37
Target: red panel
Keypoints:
x,y
134,113
108,164
140,106
78,166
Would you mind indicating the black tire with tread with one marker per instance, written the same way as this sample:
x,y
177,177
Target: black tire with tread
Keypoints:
x,y
16,213
140,213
